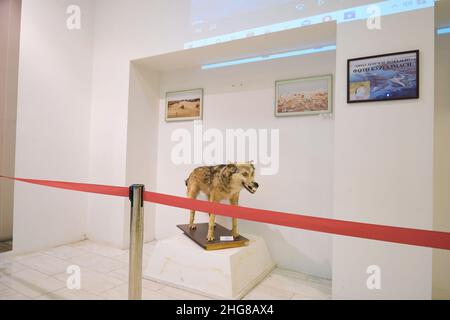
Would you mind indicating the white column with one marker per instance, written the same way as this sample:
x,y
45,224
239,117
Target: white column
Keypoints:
x,y
384,163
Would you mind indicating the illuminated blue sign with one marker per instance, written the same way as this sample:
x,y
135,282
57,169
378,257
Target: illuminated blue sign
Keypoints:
x,y
269,57
443,31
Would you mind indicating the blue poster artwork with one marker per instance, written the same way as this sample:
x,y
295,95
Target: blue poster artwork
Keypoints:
x,y
384,77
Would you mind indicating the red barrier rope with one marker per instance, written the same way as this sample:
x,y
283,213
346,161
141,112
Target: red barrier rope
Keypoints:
x,y
82,187
416,237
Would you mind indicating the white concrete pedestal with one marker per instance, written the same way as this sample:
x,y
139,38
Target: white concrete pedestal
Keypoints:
x,y
222,274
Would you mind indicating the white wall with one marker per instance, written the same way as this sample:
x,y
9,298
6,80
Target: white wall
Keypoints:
x,y
305,178
9,62
384,163
122,32
53,116
142,141
91,140
441,258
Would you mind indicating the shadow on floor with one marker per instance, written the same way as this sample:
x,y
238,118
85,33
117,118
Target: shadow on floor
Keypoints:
x,y
5,246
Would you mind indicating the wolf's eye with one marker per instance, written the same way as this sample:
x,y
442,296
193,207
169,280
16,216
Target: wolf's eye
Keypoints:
x,y
245,174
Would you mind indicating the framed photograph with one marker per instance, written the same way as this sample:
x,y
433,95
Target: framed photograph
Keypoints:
x,y
392,76
184,105
305,96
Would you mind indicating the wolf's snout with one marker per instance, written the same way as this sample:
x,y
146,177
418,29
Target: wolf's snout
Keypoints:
x,y
252,187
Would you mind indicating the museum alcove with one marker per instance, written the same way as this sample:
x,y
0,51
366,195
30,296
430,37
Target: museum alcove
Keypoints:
x,y
241,97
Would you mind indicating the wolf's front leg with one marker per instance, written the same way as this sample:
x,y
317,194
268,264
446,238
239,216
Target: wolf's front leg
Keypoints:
x,y
234,231
192,226
234,201
212,219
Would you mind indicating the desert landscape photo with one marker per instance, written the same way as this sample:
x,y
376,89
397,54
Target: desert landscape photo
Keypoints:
x,y
184,108
303,96
184,105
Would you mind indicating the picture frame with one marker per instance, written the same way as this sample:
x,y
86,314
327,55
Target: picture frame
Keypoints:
x,y
184,105
304,96
385,77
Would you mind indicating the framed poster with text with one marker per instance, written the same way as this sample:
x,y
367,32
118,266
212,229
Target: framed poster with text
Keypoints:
x,y
392,76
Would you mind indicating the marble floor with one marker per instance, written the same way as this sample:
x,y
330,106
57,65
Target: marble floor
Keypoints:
x,y
43,276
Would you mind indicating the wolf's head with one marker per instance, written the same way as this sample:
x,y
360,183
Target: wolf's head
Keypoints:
x,y
242,175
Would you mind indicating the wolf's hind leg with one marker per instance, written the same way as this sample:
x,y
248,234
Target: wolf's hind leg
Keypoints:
x,y
192,193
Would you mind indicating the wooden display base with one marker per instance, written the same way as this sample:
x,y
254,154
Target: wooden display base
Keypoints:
x,y
199,237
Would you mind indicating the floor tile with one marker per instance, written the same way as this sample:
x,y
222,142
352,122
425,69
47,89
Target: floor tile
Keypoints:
x,y
121,293
301,276
46,264
306,297
97,262
148,248
121,274
67,294
65,252
104,272
19,257
32,283
297,285
100,249
3,287
180,294
10,294
9,266
93,282
265,292
151,285
124,257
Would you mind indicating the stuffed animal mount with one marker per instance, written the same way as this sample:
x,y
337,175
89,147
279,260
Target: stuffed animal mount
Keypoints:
x,y
221,182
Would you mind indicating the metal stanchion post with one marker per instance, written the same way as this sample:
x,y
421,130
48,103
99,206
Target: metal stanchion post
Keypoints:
x,y
136,242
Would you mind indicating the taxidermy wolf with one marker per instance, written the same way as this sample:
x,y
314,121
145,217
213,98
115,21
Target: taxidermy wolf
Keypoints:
x,y
222,182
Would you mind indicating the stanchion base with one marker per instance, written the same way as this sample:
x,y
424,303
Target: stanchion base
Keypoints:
x,y
199,237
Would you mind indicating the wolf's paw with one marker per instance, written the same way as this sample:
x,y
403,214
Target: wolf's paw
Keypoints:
x,y
210,237
192,227
235,235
